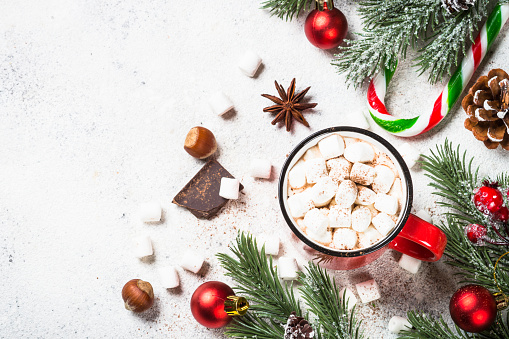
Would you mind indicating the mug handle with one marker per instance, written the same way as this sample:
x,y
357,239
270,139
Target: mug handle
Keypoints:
x,y
420,239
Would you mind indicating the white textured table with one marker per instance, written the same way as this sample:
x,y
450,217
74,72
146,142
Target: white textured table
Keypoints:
x,y
96,98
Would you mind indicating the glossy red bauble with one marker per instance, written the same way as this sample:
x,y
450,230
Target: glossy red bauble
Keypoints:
x,y
476,233
502,214
207,304
473,308
326,29
488,199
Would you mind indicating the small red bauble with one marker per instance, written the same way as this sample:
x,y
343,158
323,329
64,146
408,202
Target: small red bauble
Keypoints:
x,y
473,308
326,29
207,304
502,214
488,198
476,233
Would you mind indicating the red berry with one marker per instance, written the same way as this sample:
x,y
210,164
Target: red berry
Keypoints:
x,y
476,233
502,214
488,199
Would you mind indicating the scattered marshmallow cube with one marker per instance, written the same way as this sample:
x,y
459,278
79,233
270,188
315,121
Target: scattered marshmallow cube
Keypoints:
x,y
410,264
409,153
398,324
368,291
359,152
229,188
424,216
271,244
357,119
351,299
383,223
169,277
261,168
331,146
287,268
220,103
150,212
297,175
143,247
249,63
386,203
192,261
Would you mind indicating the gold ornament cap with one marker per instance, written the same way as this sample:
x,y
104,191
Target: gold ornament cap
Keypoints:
x,y
502,301
235,306
322,5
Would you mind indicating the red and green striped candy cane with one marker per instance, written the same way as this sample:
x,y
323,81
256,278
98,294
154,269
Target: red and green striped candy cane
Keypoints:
x,y
452,91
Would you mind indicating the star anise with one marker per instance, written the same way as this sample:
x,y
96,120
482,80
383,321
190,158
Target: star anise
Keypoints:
x,y
288,106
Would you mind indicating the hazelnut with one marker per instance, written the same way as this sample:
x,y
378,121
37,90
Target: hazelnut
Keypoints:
x,y
138,295
200,142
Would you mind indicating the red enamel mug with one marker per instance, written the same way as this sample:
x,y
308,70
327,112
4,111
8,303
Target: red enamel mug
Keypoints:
x,y
411,235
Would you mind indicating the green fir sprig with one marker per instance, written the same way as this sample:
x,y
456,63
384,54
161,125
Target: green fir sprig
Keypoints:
x,y
286,9
272,301
454,179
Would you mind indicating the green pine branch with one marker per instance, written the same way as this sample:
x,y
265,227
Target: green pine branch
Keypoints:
x,y
322,295
286,9
426,327
271,301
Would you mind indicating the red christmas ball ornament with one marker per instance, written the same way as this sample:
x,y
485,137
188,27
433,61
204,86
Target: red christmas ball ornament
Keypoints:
x,y
214,303
502,214
326,29
488,199
476,233
473,308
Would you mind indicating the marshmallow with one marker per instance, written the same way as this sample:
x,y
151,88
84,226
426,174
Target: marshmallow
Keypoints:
x,y
373,210
398,324
350,298
323,238
361,218
260,168
331,146
369,237
300,223
299,204
229,188
271,244
339,169
312,153
359,152
340,217
169,277
315,169
424,216
365,196
383,179
344,239
410,264
362,174
220,103
383,223
316,222
297,175
386,203
192,261
397,191
142,247
409,153
150,212
346,194
368,291
287,268
384,159
249,63
323,191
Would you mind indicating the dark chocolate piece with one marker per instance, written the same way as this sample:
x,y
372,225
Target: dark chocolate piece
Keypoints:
x,y
201,194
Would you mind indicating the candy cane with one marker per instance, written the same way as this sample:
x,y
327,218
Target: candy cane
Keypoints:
x,y
452,91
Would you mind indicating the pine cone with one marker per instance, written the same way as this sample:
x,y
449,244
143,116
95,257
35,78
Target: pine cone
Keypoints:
x,y
298,328
453,6
487,107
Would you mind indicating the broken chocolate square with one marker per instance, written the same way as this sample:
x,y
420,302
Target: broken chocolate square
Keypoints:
x,y
201,194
